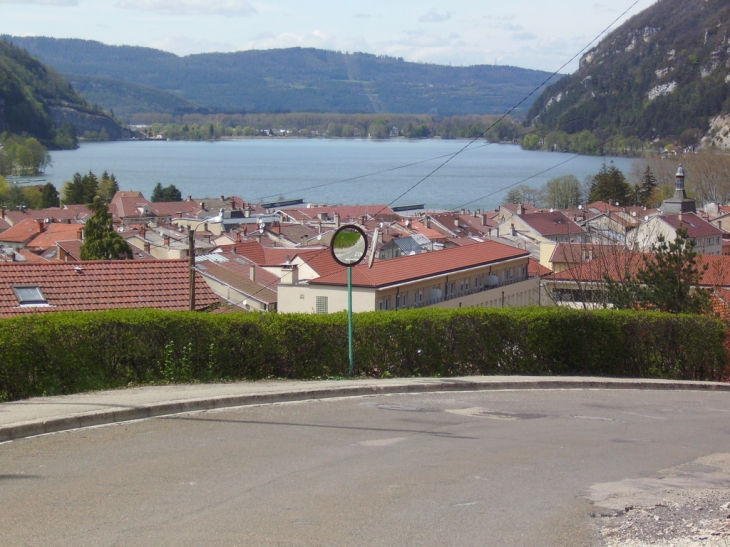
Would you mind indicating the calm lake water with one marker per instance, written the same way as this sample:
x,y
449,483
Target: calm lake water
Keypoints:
x,y
314,169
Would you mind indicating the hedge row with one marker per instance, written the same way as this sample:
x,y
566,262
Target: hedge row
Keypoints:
x,y
47,354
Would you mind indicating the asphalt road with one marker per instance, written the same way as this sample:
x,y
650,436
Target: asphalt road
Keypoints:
x,y
509,468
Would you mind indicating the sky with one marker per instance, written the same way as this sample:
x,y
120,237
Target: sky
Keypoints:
x,y
537,34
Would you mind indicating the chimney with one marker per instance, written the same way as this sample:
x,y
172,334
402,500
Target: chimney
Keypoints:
x,y
223,198
80,233
142,232
202,205
253,272
167,241
233,204
337,220
427,223
247,211
484,219
41,226
520,209
456,223
179,214
512,229
290,274
190,198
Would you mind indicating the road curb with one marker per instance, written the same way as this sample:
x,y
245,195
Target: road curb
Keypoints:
x,y
168,408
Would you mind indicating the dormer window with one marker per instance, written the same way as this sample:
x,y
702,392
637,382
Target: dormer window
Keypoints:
x,y
30,296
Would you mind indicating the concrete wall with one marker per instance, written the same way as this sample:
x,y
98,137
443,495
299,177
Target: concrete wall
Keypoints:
x,y
302,298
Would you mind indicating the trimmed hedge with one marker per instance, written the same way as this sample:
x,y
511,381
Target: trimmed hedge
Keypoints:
x,y
60,353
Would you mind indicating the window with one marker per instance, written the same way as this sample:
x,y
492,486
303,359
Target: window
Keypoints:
x,y
30,295
321,304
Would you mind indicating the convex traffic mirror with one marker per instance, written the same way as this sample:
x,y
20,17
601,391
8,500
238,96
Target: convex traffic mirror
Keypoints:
x,y
349,245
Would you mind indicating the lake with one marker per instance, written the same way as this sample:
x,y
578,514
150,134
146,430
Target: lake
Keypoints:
x,y
314,169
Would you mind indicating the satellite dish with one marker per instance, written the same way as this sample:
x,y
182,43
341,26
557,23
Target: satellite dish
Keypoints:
x,y
319,237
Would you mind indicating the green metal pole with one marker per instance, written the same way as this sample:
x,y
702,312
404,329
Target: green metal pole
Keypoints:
x,y
349,319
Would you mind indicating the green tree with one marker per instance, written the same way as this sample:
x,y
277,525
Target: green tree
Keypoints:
x,y
16,198
168,193
33,197
645,188
108,186
610,185
73,191
563,192
81,190
49,196
531,142
4,189
101,241
524,194
668,278
666,281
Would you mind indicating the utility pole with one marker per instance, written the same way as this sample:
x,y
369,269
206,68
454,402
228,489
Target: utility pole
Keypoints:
x,y
191,263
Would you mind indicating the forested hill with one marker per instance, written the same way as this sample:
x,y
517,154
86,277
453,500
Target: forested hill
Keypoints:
x,y
296,80
36,100
662,74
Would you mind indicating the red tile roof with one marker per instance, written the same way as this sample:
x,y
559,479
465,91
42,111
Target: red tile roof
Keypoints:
x,y
269,256
53,233
346,212
551,224
535,269
411,268
241,279
620,263
603,206
573,253
241,266
72,249
62,214
101,285
171,208
695,226
22,232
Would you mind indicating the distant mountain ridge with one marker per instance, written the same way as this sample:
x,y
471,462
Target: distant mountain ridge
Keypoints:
x,y
664,74
36,100
296,79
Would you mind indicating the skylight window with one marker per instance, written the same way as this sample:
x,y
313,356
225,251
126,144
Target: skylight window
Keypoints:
x,y
30,295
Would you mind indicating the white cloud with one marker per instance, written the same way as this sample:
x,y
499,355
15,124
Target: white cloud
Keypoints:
x,y
507,26
43,2
524,36
362,16
435,16
239,8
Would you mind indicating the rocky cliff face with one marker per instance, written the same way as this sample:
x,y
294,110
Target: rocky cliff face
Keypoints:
x,y
662,74
85,121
